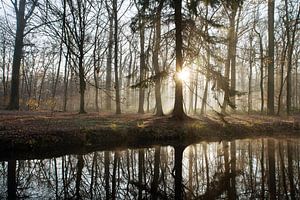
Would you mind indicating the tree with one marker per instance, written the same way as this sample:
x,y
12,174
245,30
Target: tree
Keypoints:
x,y
261,55
157,22
5,49
109,59
117,87
178,112
141,18
270,59
77,41
231,9
22,19
291,29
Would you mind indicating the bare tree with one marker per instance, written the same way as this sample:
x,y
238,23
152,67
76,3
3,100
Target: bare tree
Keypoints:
x,y
270,59
22,17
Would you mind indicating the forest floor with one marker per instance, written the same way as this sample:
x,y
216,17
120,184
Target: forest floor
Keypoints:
x,y
24,131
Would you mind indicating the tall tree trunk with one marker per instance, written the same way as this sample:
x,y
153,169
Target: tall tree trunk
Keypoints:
x,y
15,78
4,66
282,63
250,75
289,60
204,100
41,86
108,98
270,103
159,109
96,88
230,60
82,84
290,46
261,83
142,60
227,66
233,53
178,112
128,96
117,87
66,81
296,84
95,63
191,94
196,93
59,64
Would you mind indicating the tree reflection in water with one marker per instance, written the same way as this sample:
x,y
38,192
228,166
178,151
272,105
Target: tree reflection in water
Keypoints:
x,y
244,169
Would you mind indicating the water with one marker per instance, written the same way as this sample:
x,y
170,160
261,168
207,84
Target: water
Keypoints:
x,y
241,169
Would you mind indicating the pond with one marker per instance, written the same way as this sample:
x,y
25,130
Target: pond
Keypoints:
x,y
239,169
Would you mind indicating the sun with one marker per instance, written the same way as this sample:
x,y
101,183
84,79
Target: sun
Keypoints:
x,y
183,75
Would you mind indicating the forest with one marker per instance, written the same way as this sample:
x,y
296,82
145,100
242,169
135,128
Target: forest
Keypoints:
x,y
149,99
142,56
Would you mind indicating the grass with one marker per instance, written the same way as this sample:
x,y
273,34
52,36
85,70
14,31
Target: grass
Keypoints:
x,y
39,132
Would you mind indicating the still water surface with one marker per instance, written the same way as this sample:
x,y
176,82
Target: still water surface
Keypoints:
x,y
240,169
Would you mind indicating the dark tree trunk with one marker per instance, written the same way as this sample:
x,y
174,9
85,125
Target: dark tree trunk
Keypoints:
x,y
233,53
159,109
66,81
289,62
117,87
290,46
108,98
230,60
142,60
270,103
41,86
59,65
196,93
15,80
82,84
96,65
251,55
261,83
282,63
178,112
128,96
204,100
4,66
